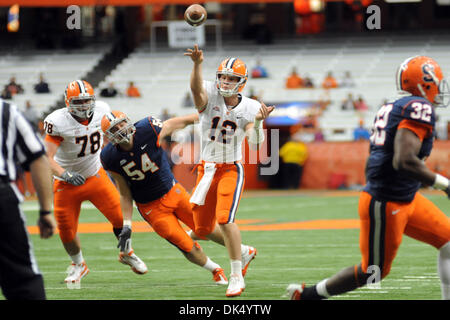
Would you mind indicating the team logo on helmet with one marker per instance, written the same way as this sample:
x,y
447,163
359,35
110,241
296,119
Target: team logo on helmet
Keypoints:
x,y
428,71
422,76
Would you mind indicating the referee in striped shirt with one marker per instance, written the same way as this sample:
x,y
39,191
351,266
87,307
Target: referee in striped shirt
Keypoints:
x,y
20,277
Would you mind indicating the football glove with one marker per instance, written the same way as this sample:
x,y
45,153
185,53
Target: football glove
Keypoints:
x,y
125,239
73,178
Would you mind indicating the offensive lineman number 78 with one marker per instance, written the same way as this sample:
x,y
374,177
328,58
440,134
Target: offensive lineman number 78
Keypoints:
x,y
94,140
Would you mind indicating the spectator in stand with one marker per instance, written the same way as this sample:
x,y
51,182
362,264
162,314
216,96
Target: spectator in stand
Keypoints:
x,y
253,95
318,135
307,82
6,94
294,81
259,71
31,115
133,91
13,87
361,105
329,82
187,100
347,81
110,91
361,133
42,85
348,103
310,121
165,115
324,101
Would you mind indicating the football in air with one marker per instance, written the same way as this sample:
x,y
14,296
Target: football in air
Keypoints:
x,y
195,15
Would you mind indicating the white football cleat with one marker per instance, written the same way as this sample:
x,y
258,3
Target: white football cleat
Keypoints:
x,y
294,291
136,264
236,286
219,276
247,257
75,272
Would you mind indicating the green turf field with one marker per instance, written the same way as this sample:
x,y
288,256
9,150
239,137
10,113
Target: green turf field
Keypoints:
x,y
283,257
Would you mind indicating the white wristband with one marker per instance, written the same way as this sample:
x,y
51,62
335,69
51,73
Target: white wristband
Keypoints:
x,y
256,135
258,124
127,222
440,182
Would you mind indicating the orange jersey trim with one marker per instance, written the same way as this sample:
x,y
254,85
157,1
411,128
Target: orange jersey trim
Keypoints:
x,y
420,129
157,134
54,139
158,143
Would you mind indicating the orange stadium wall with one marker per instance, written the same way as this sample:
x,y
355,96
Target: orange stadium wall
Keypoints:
x,y
349,159
326,161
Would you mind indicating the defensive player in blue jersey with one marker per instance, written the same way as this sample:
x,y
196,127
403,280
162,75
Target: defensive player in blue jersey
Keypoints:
x,y
390,204
141,170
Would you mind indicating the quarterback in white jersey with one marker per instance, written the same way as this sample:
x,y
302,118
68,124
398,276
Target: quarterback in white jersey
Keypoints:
x,y
225,126
226,118
73,141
